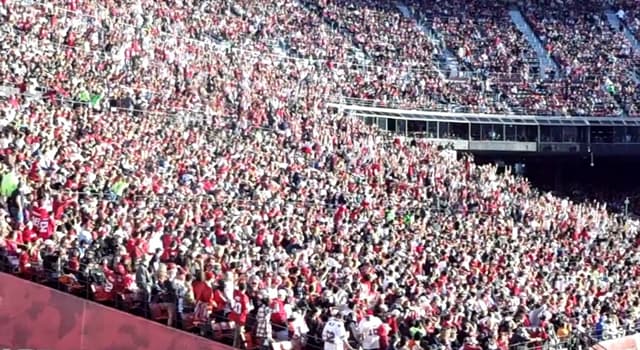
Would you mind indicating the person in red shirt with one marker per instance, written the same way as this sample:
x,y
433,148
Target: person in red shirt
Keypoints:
x,y
383,333
29,234
220,303
42,221
239,311
278,313
203,294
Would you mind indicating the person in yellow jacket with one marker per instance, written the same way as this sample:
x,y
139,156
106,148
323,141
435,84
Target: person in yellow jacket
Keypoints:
x,y
564,331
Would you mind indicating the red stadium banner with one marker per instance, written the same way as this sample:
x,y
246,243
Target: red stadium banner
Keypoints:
x,y
40,318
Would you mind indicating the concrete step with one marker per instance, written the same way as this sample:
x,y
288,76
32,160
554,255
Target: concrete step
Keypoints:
x,y
544,59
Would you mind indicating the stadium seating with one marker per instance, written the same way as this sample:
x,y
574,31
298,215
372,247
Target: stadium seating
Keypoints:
x,y
189,141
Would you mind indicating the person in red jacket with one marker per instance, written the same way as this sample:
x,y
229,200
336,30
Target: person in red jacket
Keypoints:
x,y
239,310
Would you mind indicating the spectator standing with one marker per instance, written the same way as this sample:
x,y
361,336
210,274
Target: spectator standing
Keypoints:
x,y
264,332
144,281
164,296
240,307
14,193
279,315
369,331
334,333
181,290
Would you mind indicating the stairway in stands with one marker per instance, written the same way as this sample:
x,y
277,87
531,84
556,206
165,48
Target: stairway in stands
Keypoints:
x,y
617,25
547,64
448,63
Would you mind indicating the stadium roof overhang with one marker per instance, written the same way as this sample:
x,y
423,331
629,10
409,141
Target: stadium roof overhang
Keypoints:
x,y
479,118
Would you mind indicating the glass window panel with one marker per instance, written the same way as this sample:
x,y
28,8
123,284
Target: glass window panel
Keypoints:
x,y
432,129
382,123
417,127
443,130
511,133
401,126
602,134
634,133
459,131
391,124
569,134
476,132
493,132
550,133
619,134
583,134
370,120
527,133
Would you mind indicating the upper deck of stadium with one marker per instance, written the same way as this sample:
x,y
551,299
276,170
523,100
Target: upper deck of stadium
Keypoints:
x,y
549,58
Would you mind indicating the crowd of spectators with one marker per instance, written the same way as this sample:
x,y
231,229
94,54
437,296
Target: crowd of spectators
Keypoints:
x,y
391,42
386,56
488,44
483,37
160,153
629,14
597,59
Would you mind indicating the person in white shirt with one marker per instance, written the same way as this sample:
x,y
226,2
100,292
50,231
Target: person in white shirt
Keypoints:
x,y
368,329
334,334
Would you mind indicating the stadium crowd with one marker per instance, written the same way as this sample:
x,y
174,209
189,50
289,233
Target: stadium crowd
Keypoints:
x,y
596,58
161,153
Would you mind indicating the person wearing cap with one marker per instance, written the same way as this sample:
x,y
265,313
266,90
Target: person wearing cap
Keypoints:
x,y
334,333
368,331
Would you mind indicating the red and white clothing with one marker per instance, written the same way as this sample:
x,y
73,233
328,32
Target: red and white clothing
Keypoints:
x,y
369,329
239,307
278,313
43,224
